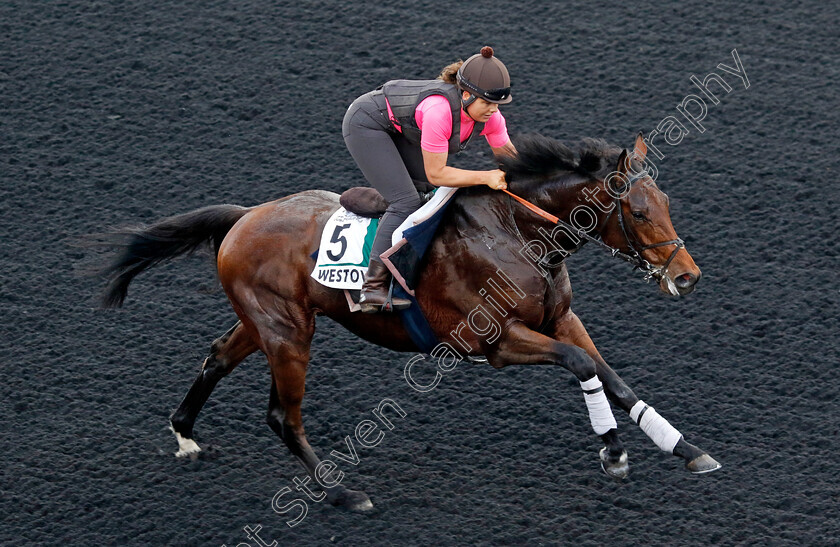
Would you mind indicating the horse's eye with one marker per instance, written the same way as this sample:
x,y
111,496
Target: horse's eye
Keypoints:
x,y
639,216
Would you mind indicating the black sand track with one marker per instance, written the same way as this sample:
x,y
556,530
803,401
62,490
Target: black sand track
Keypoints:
x,y
115,113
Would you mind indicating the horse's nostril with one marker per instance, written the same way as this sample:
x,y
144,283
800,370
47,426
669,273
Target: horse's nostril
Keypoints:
x,y
685,280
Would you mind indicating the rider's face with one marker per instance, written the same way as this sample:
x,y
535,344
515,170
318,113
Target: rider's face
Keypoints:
x,y
480,110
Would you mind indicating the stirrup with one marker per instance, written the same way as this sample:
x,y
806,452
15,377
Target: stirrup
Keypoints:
x,y
388,306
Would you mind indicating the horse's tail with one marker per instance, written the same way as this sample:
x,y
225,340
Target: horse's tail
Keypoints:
x,y
146,246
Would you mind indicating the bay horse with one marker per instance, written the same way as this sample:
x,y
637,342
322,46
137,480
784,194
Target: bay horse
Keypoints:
x,y
264,259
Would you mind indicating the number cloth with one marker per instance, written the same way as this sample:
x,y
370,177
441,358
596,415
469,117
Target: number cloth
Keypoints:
x,y
345,246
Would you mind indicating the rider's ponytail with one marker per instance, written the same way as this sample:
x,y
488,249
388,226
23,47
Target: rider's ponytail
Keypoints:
x,y
449,72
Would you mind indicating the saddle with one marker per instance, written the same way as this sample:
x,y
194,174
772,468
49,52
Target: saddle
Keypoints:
x,y
368,202
411,239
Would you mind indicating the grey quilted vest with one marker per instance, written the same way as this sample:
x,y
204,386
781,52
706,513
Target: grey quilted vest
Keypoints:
x,y
405,95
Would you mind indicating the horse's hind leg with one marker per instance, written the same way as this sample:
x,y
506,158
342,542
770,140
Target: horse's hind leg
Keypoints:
x,y
281,419
288,358
569,329
225,353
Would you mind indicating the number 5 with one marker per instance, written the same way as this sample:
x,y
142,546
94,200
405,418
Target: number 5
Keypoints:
x,y
336,238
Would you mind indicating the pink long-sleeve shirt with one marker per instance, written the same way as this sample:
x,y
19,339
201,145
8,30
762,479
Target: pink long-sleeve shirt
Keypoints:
x,y
434,118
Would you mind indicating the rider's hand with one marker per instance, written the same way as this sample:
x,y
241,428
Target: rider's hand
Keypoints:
x,y
496,179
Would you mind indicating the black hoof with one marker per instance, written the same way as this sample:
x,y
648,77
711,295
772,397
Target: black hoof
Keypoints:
x,y
355,500
702,464
615,468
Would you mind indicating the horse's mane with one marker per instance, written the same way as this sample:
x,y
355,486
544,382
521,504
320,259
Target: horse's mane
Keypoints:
x,y
541,157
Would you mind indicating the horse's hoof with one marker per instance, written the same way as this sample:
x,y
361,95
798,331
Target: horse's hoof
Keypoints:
x,y
186,447
703,464
355,500
616,469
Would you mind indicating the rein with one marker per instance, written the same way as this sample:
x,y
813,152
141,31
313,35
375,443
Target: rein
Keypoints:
x,y
635,256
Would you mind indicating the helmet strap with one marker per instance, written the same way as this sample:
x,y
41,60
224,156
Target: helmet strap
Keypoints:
x,y
467,102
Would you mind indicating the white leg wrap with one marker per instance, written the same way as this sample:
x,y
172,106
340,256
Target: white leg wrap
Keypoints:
x,y
600,413
655,426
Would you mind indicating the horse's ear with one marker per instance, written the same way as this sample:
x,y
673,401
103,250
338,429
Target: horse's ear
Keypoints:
x,y
640,148
623,166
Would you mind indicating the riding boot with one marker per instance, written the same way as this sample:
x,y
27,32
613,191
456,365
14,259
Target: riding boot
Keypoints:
x,y
375,296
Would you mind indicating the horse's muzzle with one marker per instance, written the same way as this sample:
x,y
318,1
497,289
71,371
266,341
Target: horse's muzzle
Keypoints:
x,y
685,283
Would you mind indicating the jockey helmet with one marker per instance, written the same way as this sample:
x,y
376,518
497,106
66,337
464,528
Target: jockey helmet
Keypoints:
x,y
484,75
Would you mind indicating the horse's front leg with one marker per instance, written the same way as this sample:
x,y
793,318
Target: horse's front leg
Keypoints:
x,y
569,329
523,346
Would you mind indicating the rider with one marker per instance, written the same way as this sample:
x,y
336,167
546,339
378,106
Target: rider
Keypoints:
x,y
401,135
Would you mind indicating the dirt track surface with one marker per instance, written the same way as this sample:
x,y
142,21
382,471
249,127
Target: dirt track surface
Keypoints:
x,y
124,114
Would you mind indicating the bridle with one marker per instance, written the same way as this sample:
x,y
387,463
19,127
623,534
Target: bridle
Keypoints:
x,y
651,272
634,257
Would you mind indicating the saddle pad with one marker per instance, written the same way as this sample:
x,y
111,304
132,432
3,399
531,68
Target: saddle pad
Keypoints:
x,y
342,258
413,237
344,251
424,213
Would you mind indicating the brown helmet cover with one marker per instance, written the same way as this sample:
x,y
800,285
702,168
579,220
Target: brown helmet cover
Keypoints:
x,y
485,76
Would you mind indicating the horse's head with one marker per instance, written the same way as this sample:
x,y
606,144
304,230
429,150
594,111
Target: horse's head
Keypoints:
x,y
640,224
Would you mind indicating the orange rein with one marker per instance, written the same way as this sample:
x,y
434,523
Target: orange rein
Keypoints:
x,y
548,216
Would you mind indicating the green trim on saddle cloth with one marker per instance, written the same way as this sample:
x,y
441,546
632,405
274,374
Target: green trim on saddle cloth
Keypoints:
x,y
369,237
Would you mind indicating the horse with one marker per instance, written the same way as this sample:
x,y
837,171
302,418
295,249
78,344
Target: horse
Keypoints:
x,y
264,256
